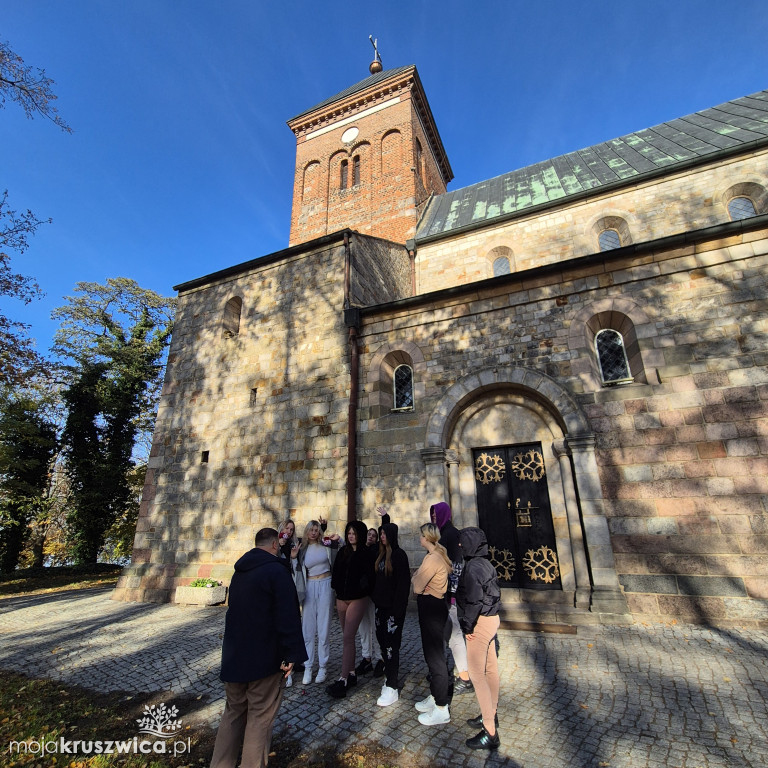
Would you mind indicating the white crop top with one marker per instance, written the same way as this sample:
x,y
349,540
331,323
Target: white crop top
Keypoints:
x,y
316,560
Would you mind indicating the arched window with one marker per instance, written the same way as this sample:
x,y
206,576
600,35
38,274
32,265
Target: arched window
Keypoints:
x,y
611,232
741,208
344,174
232,310
501,266
612,357
403,388
355,170
609,239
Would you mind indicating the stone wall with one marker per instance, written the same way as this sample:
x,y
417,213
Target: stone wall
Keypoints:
x,y
682,452
687,201
252,427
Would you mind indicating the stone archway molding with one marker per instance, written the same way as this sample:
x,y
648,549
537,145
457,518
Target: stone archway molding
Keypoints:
x,y
590,537
540,386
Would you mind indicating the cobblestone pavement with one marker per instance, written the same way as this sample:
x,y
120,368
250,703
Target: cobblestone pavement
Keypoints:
x,y
643,696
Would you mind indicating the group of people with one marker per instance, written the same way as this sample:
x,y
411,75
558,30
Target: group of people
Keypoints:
x,y
457,595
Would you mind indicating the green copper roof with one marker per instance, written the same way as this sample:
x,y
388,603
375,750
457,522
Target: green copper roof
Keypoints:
x,y
728,127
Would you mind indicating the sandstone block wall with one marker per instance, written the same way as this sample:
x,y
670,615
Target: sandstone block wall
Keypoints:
x,y
251,428
688,201
682,453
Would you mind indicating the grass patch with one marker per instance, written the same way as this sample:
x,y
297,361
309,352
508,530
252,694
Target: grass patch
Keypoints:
x,y
34,581
36,711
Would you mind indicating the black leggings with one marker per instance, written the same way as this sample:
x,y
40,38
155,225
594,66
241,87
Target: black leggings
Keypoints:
x,y
389,633
433,613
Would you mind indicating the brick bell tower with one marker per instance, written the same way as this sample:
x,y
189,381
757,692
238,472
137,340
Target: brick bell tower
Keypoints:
x,y
368,158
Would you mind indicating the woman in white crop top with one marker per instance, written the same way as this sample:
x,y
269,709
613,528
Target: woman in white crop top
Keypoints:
x,y
314,563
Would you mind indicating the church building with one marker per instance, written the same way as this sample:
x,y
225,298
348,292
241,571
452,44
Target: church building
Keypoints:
x,y
573,355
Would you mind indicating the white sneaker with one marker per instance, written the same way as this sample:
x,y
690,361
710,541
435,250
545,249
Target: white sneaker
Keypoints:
x,y
436,716
427,705
289,681
307,679
388,696
320,675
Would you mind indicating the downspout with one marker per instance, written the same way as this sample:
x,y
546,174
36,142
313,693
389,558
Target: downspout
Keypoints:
x,y
352,321
410,246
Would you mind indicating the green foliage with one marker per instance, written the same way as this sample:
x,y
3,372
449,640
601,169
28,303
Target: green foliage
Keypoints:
x,y
118,540
116,334
17,351
205,583
27,448
32,91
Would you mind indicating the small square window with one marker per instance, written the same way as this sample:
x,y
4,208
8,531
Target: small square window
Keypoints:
x,y
204,457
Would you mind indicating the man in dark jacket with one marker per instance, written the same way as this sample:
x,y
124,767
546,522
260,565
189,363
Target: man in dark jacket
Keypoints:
x,y
262,642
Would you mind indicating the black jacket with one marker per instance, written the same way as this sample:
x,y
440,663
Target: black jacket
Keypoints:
x,y
478,593
352,576
390,592
263,625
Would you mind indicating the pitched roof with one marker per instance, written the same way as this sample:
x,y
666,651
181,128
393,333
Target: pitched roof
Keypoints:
x,y
353,89
729,127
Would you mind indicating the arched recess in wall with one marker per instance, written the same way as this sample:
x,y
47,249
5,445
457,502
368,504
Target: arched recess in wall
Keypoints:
x,y
335,178
501,261
311,183
637,330
511,409
231,319
391,153
610,232
381,378
738,198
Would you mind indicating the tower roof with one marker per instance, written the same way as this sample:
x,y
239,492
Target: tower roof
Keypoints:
x,y
732,127
356,88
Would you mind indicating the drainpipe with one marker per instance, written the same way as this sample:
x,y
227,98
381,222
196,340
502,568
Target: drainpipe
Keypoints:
x,y
352,321
410,246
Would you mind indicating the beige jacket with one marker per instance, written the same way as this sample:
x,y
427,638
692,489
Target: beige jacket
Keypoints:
x,y
432,576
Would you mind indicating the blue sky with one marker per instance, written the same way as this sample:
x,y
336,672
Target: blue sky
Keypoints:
x,y
181,162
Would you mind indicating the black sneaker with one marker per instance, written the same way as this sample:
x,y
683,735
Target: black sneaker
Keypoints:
x,y
351,680
378,670
364,667
462,686
338,690
484,740
477,722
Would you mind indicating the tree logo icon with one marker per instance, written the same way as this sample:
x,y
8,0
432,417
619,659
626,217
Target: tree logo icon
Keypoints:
x,y
160,721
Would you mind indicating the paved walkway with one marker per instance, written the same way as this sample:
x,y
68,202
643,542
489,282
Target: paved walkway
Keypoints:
x,y
645,696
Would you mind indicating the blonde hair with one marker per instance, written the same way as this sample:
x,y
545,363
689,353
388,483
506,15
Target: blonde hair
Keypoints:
x,y
284,525
305,538
432,534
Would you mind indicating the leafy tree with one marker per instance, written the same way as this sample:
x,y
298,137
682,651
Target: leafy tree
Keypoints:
x,y
17,351
116,335
31,89
27,447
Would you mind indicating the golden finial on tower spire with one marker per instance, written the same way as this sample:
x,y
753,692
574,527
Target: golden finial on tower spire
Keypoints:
x,y
375,66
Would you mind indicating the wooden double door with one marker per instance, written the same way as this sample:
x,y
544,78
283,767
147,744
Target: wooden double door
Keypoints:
x,y
514,511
